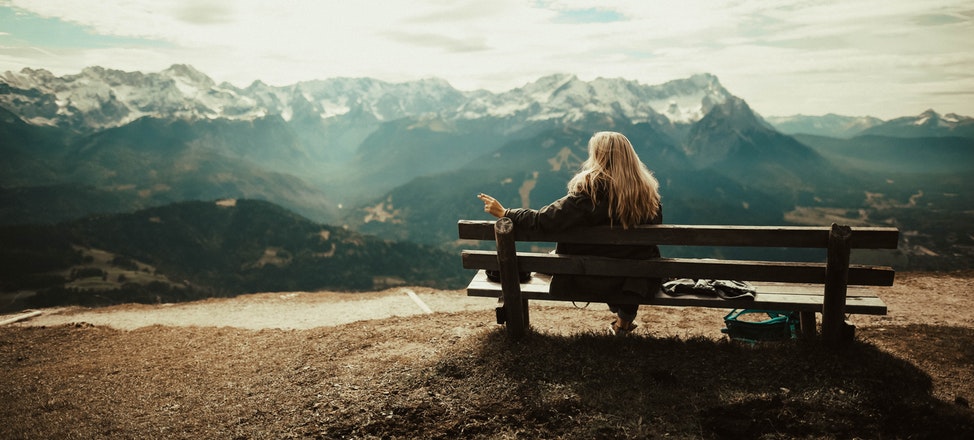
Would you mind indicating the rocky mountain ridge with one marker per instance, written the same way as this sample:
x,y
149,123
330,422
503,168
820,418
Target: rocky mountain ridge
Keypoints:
x,y
98,98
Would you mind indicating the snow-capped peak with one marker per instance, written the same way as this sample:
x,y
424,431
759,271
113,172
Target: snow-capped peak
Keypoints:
x,y
930,117
926,117
99,97
189,74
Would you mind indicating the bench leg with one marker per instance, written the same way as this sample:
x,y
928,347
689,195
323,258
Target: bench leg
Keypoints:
x,y
848,332
836,284
807,323
515,307
808,331
515,316
501,312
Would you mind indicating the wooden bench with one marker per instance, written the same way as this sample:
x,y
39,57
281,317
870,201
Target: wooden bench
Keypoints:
x,y
833,288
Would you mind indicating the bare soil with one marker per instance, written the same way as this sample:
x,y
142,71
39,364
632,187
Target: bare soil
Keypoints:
x,y
376,365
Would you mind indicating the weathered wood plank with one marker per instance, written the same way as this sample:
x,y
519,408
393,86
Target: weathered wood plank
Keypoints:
x,y
796,298
679,268
809,289
698,235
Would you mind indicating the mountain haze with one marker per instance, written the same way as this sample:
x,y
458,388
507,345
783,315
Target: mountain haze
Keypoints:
x,y
831,125
899,155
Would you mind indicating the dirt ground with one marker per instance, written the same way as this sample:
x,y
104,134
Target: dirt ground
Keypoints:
x,y
233,346
930,299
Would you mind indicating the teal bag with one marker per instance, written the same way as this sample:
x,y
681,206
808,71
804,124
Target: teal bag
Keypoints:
x,y
778,326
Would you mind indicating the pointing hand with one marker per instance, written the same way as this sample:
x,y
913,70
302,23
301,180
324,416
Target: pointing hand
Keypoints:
x,y
491,205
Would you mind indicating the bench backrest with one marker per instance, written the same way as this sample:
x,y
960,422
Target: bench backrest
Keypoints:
x,y
837,240
696,235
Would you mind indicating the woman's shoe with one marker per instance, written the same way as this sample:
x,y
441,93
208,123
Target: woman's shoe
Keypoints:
x,y
622,328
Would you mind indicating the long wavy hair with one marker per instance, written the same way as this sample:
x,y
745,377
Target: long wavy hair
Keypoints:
x,y
613,168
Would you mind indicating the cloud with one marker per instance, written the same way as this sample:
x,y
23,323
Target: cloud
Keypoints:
x,y
590,15
204,12
458,11
443,42
776,54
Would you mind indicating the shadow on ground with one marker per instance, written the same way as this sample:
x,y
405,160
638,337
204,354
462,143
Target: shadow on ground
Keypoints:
x,y
589,386
427,377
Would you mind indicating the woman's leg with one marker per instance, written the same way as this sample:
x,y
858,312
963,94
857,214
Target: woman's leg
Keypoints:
x,y
625,312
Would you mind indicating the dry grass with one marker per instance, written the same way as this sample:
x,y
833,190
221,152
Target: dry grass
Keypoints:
x,y
456,375
425,377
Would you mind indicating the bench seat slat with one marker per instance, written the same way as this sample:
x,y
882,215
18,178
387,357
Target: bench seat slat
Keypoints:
x,y
680,268
802,298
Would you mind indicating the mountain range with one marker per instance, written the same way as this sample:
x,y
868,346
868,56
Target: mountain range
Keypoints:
x,y
349,140
404,161
927,124
99,98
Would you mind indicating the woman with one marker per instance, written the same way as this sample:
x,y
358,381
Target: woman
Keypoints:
x,y
613,188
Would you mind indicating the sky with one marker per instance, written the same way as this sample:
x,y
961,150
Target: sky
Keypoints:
x,y
882,58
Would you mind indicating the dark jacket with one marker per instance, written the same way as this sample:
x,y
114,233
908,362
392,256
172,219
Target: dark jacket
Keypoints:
x,y
574,211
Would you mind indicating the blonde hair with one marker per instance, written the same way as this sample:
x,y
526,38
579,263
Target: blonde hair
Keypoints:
x,y
614,167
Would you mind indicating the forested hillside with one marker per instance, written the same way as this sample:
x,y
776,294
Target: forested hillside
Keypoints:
x,y
191,250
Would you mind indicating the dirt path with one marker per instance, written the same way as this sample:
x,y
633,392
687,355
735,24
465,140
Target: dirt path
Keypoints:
x,y
289,310
929,298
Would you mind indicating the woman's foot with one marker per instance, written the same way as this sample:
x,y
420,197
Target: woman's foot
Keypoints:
x,y
622,328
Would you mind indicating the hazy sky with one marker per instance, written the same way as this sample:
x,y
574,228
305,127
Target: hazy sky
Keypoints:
x,y
885,58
